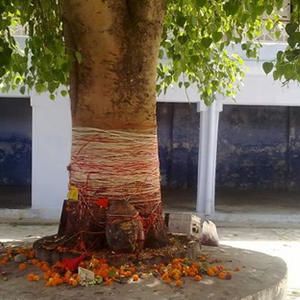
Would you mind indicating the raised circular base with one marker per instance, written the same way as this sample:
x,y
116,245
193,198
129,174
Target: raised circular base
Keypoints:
x,y
260,277
46,249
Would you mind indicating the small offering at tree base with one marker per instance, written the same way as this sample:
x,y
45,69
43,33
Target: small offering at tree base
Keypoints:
x,y
124,227
184,223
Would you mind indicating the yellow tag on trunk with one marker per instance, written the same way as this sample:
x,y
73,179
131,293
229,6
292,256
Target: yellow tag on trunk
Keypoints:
x,y
73,193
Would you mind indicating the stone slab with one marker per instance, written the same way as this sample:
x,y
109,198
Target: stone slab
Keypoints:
x,y
262,277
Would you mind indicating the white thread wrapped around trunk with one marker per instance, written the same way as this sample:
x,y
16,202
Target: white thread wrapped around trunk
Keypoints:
x,y
116,165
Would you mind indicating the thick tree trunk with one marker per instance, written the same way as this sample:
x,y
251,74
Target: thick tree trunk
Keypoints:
x,y
113,90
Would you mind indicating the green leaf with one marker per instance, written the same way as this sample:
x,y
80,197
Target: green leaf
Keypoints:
x,y
200,3
161,53
64,93
269,25
22,90
182,39
279,55
5,54
40,87
275,75
176,57
186,84
195,59
278,34
2,71
290,28
296,37
292,41
231,7
99,279
112,272
206,42
217,36
244,46
180,20
268,67
270,9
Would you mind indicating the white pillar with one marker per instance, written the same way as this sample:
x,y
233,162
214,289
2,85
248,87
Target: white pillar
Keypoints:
x,y
208,140
51,145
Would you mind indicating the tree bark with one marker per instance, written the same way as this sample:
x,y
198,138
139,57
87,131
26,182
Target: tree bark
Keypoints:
x,y
113,87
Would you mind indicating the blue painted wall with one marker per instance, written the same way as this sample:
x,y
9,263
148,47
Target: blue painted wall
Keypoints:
x,y
178,132
253,147
15,141
258,147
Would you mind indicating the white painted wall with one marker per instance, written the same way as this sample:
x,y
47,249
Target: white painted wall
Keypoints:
x,y
51,143
51,154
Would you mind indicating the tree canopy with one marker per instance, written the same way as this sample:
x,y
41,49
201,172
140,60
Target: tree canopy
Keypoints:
x,y
286,66
195,44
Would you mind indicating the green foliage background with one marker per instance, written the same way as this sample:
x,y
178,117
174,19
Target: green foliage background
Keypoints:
x,y
286,66
194,49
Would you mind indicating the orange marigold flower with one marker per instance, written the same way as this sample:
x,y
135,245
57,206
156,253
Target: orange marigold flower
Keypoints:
x,y
22,266
225,275
47,275
34,261
33,277
44,267
73,281
4,260
67,275
165,276
127,273
198,278
211,271
135,277
175,274
30,253
179,283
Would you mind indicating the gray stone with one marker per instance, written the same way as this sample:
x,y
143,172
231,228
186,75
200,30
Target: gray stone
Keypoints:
x,y
19,258
194,249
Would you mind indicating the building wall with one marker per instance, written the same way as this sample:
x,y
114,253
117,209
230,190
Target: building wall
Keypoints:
x,y
15,141
51,154
51,143
178,132
258,146
253,147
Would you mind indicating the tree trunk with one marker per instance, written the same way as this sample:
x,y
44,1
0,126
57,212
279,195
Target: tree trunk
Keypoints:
x,y
113,96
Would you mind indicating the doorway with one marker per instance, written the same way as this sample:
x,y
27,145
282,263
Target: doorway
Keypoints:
x,y
15,152
258,160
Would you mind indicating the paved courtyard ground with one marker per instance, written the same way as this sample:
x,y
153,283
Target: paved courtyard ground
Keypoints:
x,y
281,242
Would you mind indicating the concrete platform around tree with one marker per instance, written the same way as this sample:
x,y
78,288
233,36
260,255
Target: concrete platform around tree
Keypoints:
x,y
261,276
